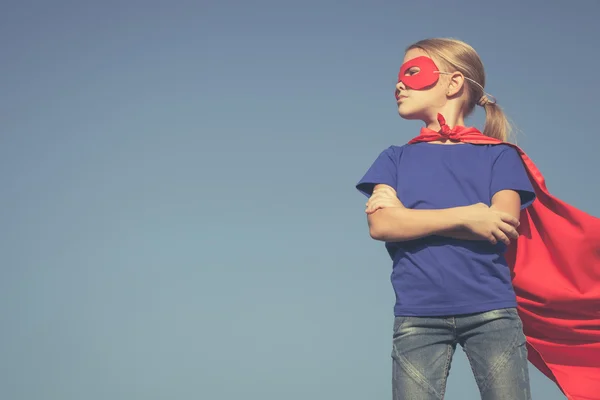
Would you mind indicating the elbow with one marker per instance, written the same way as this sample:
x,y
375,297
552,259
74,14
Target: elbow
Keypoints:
x,y
377,228
383,228
376,233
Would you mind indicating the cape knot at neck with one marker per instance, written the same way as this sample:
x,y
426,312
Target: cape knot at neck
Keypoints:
x,y
446,131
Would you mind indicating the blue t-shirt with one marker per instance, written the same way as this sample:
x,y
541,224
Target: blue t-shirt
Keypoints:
x,y
435,275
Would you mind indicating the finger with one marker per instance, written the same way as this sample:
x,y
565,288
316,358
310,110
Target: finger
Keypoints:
x,y
373,209
372,206
376,195
381,201
492,239
386,189
369,208
388,197
390,192
381,193
372,199
501,237
386,204
508,218
509,230
380,204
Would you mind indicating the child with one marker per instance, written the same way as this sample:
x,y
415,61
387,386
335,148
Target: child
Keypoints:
x,y
447,206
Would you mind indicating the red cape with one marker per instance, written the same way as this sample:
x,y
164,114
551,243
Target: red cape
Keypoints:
x,y
555,267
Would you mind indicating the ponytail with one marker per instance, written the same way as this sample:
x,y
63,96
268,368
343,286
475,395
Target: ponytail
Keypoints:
x,y
496,123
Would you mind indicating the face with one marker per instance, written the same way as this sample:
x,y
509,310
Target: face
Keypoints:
x,y
421,89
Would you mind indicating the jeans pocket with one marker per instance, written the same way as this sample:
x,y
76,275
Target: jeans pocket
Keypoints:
x,y
513,316
398,323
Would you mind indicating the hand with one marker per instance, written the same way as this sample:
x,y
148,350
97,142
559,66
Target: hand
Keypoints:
x,y
487,223
383,197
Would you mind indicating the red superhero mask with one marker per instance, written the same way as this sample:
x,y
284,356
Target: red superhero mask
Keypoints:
x,y
426,73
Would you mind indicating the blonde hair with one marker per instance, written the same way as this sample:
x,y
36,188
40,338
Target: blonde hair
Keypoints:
x,y
459,56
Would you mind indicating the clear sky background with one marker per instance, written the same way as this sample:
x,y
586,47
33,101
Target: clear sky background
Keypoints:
x,y
178,212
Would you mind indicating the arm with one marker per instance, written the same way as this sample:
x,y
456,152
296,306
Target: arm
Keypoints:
x,y
398,224
507,201
462,234
390,221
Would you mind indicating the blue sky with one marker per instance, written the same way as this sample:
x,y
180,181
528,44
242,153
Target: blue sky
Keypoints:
x,y
178,206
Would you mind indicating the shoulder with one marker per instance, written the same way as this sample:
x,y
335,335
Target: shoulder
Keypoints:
x,y
494,152
505,152
395,150
503,148
392,153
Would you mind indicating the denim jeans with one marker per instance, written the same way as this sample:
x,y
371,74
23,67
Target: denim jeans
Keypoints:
x,y
493,341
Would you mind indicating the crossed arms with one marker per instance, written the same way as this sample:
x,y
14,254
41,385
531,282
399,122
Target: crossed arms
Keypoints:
x,y
390,221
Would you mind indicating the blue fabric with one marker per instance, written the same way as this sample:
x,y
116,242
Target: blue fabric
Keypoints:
x,y
435,275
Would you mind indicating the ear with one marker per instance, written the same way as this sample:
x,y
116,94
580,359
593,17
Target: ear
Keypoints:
x,y
455,84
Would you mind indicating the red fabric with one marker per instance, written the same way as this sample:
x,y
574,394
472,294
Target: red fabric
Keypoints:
x,y
556,275
428,73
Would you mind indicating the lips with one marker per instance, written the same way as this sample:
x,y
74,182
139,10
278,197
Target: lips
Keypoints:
x,y
398,95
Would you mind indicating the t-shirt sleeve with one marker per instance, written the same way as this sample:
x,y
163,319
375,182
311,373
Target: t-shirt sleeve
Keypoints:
x,y
508,173
383,170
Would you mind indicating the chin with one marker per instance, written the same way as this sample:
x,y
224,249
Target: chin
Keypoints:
x,y
407,113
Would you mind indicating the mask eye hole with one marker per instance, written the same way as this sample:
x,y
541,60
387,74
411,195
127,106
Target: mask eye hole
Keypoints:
x,y
412,71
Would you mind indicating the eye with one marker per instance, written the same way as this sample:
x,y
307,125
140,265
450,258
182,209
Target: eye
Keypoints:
x,y
412,71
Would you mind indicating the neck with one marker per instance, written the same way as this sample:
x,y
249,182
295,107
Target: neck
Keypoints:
x,y
452,112
451,121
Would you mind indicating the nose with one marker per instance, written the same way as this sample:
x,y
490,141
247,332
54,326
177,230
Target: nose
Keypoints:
x,y
399,88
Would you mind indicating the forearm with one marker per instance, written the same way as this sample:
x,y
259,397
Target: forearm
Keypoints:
x,y
464,234
461,233
397,224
